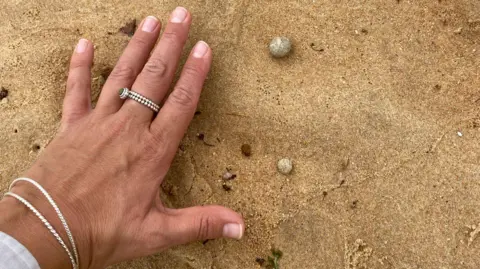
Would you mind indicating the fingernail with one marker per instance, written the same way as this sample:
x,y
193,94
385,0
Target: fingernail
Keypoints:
x,y
81,46
179,15
200,49
233,230
150,24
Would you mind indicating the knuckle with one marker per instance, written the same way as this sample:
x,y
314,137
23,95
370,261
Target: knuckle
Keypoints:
x,y
171,37
156,67
139,41
204,227
182,96
156,143
124,72
77,63
69,117
74,82
119,125
192,71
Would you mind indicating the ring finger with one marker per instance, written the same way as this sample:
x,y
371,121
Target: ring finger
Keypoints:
x,y
129,65
157,75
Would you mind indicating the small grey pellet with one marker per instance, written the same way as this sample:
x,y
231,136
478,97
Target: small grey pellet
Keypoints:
x,y
227,176
280,47
285,166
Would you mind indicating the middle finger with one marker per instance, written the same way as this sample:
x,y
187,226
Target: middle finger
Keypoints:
x,y
157,75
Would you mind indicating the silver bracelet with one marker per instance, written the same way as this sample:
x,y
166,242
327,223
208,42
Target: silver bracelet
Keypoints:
x,y
76,262
46,223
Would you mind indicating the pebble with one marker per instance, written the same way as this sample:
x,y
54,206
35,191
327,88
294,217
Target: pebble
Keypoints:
x,y
280,47
285,166
228,176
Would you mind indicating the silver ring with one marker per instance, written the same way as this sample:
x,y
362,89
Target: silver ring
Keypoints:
x,y
127,93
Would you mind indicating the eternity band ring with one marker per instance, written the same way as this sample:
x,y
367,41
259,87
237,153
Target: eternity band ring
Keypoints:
x,y
127,93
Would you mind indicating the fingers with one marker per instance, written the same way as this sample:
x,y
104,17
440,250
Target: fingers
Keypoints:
x,y
77,102
157,75
129,65
182,226
179,108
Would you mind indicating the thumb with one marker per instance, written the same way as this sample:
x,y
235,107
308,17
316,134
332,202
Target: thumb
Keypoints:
x,y
201,223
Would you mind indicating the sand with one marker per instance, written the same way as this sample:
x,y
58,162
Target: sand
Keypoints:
x,y
377,106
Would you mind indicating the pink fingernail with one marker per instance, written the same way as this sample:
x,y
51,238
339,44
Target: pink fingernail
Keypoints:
x,y
179,15
233,230
200,49
81,46
150,24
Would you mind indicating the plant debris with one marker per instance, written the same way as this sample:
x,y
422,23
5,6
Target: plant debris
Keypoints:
x,y
129,28
246,150
3,93
227,186
273,261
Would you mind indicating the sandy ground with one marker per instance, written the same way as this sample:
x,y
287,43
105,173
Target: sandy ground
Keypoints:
x,y
382,125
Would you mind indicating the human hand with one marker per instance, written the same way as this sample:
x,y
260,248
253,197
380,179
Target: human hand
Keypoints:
x,y
105,166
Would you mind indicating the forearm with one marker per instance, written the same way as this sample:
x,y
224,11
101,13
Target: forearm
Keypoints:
x,y
20,223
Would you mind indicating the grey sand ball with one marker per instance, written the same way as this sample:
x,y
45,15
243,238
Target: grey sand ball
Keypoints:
x,y
285,166
280,47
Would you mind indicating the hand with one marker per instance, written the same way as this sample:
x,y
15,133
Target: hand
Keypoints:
x,y
105,166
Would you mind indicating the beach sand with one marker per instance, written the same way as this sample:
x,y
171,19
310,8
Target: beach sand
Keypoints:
x,y
377,106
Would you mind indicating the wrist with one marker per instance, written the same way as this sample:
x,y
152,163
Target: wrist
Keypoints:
x,y
20,223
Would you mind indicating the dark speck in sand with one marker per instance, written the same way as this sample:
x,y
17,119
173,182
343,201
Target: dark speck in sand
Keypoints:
x,y
36,147
260,261
129,28
3,93
201,136
246,150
